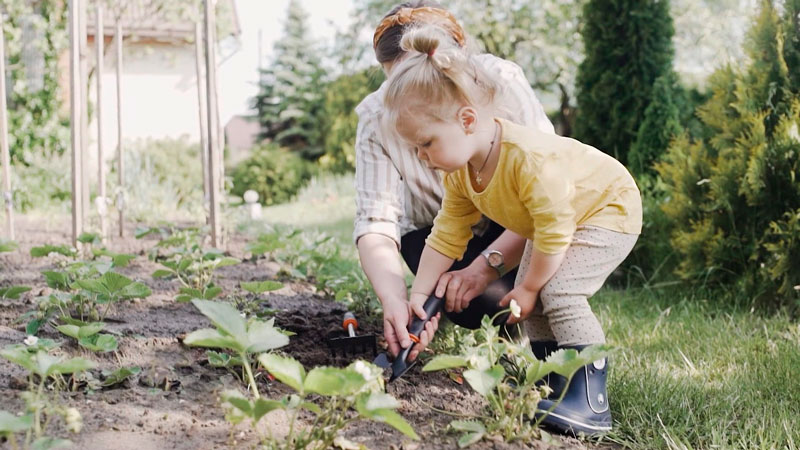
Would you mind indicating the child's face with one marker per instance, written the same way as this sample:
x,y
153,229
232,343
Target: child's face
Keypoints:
x,y
443,145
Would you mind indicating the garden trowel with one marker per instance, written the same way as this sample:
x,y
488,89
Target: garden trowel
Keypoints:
x,y
400,365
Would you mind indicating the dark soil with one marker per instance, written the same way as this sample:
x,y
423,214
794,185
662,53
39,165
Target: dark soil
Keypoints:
x,y
174,403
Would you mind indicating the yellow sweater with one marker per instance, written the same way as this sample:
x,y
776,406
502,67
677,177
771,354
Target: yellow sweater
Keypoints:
x,y
543,187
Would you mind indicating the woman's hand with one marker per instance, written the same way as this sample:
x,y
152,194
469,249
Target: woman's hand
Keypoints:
x,y
396,317
459,287
526,299
417,302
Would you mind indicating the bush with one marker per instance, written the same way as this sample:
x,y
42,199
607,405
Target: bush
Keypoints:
x,y
163,179
340,119
628,46
733,198
275,173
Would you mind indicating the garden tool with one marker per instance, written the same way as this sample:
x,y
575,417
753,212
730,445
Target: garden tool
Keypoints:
x,y
351,343
400,365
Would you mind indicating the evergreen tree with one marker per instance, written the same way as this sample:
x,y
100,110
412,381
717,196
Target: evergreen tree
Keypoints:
x,y
733,198
661,123
628,46
290,99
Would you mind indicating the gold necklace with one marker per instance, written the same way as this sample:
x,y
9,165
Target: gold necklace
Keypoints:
x,y
478,177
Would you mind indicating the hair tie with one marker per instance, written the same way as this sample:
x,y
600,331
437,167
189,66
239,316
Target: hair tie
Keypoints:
x,y
430,53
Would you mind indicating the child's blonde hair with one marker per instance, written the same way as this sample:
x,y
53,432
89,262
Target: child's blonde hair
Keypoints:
x,y
435,78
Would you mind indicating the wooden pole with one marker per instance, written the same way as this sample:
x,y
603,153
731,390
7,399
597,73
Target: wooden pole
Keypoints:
x,y
201,103
84,123
213,140
99,41
120,165
6,159
75,117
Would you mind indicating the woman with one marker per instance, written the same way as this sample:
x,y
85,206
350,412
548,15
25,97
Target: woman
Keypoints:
x,y
398,196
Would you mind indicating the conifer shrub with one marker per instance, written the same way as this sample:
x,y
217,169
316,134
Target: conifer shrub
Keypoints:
x,y
733,198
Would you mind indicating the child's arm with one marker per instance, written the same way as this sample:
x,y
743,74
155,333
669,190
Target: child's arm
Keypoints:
x,y
543,267
432,265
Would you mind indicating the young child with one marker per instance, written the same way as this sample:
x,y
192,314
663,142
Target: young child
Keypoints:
x,y
579,208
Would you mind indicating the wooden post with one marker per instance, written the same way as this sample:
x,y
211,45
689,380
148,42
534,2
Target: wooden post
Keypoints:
x,y
84,119
6,159
75,117
213,140
102,204
120,165
201,103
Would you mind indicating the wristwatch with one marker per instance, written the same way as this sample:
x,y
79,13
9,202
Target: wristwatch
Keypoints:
x,y
494,259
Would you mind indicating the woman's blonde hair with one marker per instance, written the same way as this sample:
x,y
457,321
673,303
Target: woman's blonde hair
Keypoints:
x,y
435,78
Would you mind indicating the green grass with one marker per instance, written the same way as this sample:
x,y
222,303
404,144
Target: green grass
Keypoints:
x,y
696,374
327,205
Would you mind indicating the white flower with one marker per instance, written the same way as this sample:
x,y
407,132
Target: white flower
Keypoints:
x,y
31,340
516,311
362,368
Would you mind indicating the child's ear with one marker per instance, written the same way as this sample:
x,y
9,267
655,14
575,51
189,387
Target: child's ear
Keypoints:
x,y
467,117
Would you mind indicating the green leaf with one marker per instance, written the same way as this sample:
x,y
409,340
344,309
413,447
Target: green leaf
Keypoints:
x,y
263,337
89,238
262,406
212,292
84,331
99,343
162,273
227,261
8,246
119,375
381,400
238,401
208,337
10,423
135,290
258,287
225,317
44,250
220,359
387,416
49,443
445,362
13,292
468,425
468,439
311,407
70,366
57,280
19,354
333,381
33,326
483,381
287,370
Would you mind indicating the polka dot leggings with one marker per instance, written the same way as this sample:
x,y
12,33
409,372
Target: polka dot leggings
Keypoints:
x,y
562,312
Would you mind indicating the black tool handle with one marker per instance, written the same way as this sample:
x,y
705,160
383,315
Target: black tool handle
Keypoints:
x,y
432,306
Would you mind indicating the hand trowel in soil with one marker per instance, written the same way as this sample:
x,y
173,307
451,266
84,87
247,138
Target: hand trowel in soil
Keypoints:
x,y
400,365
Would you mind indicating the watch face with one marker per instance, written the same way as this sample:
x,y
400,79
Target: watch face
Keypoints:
x,y
495,259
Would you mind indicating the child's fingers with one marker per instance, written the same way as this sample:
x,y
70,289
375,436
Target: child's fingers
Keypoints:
x,y
419,311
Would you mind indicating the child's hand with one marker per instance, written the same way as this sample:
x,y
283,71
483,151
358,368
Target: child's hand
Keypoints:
x,y
417,301
526,299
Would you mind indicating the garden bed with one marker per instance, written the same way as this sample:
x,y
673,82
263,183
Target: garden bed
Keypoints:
x,y
174,401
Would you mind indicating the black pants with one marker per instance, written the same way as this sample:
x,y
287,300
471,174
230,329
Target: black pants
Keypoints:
x,y
412,245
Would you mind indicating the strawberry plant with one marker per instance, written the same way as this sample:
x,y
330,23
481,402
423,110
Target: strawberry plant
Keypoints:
x,y
233,332
506,373
358,387
35,356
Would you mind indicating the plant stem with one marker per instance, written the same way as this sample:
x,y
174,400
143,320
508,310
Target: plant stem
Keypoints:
x,y
561,397
250,378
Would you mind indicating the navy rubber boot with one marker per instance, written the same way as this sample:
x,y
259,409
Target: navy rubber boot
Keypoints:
x,y
584,409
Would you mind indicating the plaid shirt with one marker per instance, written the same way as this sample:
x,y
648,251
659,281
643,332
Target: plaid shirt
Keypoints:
x,y
395,192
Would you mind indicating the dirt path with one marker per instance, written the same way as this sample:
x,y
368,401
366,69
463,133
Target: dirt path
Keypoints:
x,y
138,416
